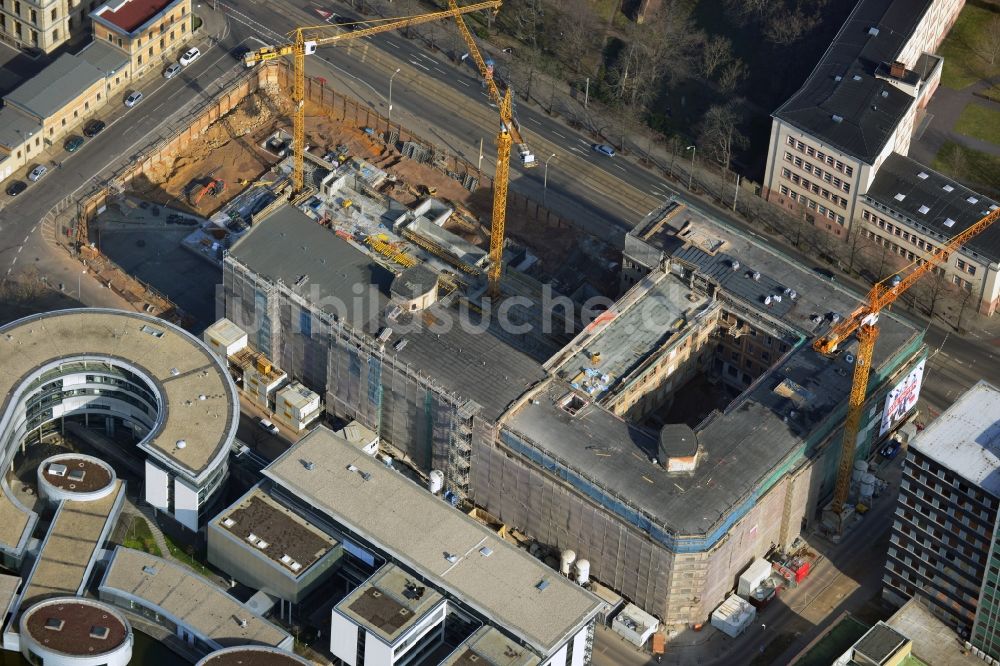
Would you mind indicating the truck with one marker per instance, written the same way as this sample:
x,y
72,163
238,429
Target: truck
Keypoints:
x,y
527,157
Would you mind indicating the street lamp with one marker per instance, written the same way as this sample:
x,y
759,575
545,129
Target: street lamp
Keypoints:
x,y
545,178
389,119
694,150
79,296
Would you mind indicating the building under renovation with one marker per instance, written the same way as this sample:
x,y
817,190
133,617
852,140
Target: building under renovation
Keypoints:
x,y
670,441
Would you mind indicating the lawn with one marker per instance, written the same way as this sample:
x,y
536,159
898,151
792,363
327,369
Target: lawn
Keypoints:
x,y
138,537
835,643
981,122
182,556
973,168
964,64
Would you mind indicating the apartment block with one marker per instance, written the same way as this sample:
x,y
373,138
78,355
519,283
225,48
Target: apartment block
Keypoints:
x,y
42,24
910,211
148,31
858,106
942,547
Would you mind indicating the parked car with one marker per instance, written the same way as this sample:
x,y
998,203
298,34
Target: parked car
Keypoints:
x,y
36,173
603,149
268,426
93,128
73,144
189,57
172,71
133,98
890,450
16,188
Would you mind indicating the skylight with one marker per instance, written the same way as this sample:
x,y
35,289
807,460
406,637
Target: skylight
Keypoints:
x,y
922,175
949,222
947,188
923,210
899,196
972,200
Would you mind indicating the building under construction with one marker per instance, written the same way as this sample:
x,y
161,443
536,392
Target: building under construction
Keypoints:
x,y
562,425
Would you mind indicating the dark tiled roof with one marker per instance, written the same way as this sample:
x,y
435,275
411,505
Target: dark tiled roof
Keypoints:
x,y
928,204
843,84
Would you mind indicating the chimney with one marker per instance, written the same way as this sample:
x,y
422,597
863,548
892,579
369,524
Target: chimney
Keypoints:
x,y
897,70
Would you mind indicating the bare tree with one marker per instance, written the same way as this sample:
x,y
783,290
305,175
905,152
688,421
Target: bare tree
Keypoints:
x,y
965,299
789,27
744,9
930,289
732,75
987,45
718,51
527,16
720,134
577,33
856,245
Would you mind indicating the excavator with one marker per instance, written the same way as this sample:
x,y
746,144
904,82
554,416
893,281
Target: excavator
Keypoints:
x,y
215,187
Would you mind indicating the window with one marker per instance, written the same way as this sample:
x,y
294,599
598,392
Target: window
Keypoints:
x,y
849,170
791,141
971,269
34,16
55,35
54,14
64,122
810,152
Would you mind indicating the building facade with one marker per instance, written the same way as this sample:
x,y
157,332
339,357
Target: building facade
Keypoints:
x,y
858,106
42,24
147,31
945,526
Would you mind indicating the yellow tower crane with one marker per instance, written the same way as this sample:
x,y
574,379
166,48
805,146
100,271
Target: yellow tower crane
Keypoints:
x,y
863,322
509,134
306,40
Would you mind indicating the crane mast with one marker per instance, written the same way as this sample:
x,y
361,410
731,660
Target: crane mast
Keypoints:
x,y
863,322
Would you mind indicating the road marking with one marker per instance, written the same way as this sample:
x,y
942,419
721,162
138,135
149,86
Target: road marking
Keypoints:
x,y
619,166
19,248
417,64
441,70
584,142
392,44
464,83
26,237
533,120
579,150
13,261
558,134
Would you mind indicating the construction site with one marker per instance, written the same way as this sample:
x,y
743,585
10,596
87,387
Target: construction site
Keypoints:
x,y
373,268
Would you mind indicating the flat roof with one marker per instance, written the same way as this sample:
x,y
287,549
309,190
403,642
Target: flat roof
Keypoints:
x,y
199,396
85,627
128,15
262,525
934,642
297,395
67,550
389,603
451,243
742,445
656,313
252,655
488,647
106,57
189,599
15,127
843,84
290,247
879,643
484,368
55,86
965,438
78,473
935,204
507,585
225,332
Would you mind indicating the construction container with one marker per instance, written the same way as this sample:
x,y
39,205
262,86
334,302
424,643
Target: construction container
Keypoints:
x,y
635,625
758,571
660,643
733,616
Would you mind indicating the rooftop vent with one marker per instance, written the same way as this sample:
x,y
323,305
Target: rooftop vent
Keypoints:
x,y
77,475
451,558
899,196
262,544
735,265
947,188
485,551
149,330
57,469
856,77
149,570
309,465
838,78
873,31
897,70
100,633
174,372
923,210
838,119
972,200
949,222
54,624
181,444
541,585
228,522
253,538
922,175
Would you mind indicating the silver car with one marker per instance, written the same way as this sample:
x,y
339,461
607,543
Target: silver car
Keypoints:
x,y
134,98
172,71
36,173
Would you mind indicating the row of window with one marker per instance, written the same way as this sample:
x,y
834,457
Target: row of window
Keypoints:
x,y
818,154
946,490
816,171
897,249
29,13
899,231
812,205
816,189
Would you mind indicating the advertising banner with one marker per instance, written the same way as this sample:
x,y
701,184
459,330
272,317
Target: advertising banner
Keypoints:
x,y
902,398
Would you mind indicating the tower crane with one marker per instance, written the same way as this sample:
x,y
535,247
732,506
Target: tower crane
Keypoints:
x,y
863,322
306,40
509,134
